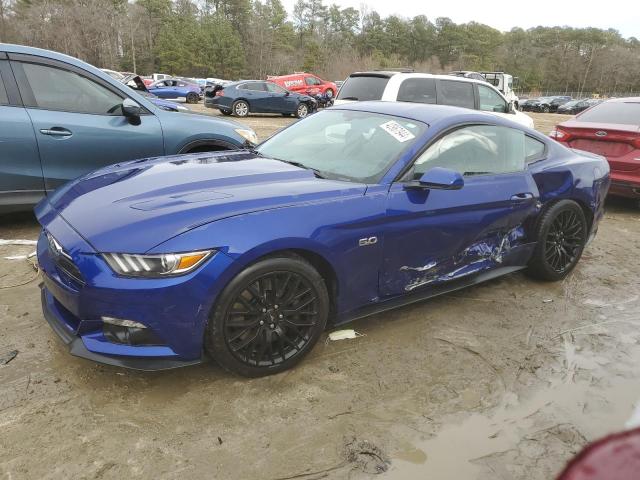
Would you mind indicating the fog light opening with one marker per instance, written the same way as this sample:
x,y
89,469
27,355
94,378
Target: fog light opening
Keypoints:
x,y
122,323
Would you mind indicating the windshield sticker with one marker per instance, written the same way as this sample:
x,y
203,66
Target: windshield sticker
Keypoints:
x,y
397,131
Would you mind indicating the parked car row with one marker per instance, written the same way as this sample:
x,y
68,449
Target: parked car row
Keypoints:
x,y
557,104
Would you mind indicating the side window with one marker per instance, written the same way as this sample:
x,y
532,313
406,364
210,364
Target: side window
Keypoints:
x,y
458,94
490,100
534,150
255,86
62,90
474,150
273,88
417,90
312,81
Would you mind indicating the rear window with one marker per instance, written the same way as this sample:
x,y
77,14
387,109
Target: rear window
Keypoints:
x,y
417,90
626,113
363,88
458,94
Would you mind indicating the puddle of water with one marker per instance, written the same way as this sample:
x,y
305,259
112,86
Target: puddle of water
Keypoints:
x,y
449,455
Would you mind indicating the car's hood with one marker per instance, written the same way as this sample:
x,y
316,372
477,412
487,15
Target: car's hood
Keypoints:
x,y
137,205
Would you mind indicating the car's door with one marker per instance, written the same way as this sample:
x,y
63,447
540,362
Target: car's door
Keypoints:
x,y
77,119
435,236
161,89
280,100
259,99
20,171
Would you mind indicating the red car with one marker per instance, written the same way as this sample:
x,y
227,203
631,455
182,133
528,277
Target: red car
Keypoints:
x,y
306,84
610,129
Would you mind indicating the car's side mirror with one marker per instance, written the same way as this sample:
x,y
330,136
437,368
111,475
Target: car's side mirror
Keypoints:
x,y
131,110
437,178
287,93
511,107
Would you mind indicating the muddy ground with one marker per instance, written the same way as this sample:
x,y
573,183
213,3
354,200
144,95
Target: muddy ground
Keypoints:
x,y
506,380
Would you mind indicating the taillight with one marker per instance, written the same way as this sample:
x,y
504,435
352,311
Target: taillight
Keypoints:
x,y
636,143
559,135
220,93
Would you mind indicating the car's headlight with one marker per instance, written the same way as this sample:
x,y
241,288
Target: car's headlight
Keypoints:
x,y
161,265
249,135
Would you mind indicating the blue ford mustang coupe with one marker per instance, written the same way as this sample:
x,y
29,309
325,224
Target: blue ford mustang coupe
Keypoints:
x,y
246,256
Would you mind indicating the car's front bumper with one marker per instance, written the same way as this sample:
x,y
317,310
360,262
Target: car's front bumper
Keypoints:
x,y
174,310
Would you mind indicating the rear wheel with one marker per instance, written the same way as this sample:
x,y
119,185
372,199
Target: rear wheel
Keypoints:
x,y
192,97
545,109
269,317
302,111
561,235
240,108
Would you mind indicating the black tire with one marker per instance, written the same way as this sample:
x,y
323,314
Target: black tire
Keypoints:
x,y
302,110
329,93
225,112
240,108
192,97
561,234
268,337
545,109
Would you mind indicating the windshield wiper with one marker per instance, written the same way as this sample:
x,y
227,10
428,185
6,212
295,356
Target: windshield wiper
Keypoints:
x,y
315,171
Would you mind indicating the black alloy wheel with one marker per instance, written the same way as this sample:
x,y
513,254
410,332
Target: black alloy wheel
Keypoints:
x,y
561,233
564,240
269,317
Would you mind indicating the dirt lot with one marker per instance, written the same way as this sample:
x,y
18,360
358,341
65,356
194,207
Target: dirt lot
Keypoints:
x,y
506,380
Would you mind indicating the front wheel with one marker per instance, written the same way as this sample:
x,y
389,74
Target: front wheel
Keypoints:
x,y
561,236
302,110
225,112
329,93
269,317
545,109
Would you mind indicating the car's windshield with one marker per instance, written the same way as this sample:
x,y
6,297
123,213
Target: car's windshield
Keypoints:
x,y
345,145
364,87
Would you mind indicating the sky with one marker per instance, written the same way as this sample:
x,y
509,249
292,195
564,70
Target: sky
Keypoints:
x,y
623,15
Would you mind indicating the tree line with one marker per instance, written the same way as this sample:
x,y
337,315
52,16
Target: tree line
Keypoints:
x,y
253,38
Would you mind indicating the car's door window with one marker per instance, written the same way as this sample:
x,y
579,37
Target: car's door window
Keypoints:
x,y
312,81
456,93
417,90
273,88
474,150
490,100
62,90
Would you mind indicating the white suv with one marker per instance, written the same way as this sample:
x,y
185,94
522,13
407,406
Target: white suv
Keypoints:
x,y
426,88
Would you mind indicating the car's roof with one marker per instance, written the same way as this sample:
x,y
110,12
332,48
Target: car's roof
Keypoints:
x,y
619,100
426,113
405,75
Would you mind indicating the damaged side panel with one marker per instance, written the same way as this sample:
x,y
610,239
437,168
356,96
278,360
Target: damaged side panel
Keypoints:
x,y
484,254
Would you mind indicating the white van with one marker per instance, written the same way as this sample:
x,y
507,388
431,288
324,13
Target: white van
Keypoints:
x,y
426,88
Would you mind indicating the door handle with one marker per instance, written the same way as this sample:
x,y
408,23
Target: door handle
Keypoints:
x,y
522,197
56,132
